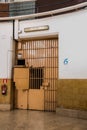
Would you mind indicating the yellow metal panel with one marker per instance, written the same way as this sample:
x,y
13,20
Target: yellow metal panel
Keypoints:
x,y
22,83
21,73
21,78
36,99
21,99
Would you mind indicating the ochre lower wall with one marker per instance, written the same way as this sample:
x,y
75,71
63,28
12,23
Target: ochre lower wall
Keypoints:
x,y
5,99
72,93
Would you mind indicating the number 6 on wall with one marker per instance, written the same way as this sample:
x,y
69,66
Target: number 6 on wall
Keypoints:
x,y
66,61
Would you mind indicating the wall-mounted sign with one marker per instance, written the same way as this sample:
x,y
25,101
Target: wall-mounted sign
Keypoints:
x,y
66,61
5,81
37,28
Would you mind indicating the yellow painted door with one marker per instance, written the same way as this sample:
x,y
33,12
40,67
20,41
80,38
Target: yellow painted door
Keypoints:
x,y
36,91
36,99
21,79
21,99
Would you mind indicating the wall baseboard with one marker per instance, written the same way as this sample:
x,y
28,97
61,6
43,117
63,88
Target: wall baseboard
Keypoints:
x,y
71,113
5,107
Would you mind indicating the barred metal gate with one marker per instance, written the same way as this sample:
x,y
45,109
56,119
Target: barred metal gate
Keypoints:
x,y
41,56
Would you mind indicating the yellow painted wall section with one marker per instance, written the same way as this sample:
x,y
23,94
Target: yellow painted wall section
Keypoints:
x,y
72,93
5,99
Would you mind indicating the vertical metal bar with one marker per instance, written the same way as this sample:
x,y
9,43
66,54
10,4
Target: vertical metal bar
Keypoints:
x,y
51,76
44,71
34,67
51,70
46,98
51,95
36,64
37,69
34,60
41,50
49,57
23,48
38,56
40,44
26,53
29,73
56,58
29,62
56,66
48,75
31,67
54,74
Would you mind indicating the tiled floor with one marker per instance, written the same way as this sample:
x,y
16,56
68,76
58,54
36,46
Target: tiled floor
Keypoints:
x,y
38,120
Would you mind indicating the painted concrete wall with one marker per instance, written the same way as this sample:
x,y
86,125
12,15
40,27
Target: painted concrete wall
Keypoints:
x,y
6,53
6,49
72,33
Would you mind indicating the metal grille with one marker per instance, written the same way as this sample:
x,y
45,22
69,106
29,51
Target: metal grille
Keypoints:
x,y
36,78
41,56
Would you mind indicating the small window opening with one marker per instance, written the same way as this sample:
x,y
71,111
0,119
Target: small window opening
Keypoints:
x,y
21,62
36,78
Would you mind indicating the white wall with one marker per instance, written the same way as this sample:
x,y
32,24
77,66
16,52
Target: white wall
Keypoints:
x,y
72,31
6,40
